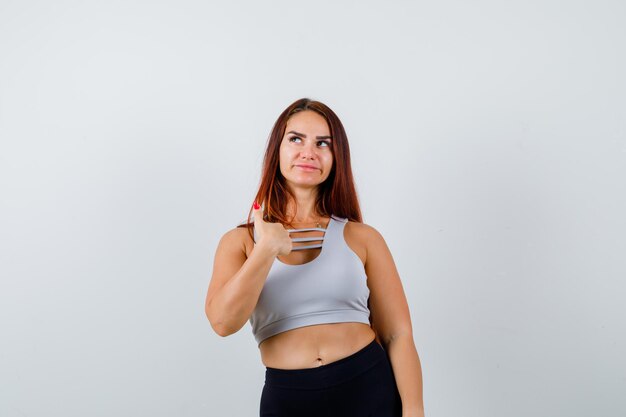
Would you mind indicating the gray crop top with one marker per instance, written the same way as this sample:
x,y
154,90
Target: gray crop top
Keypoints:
x,y
331,288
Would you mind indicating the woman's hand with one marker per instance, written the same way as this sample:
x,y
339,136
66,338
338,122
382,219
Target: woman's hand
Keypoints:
x,y
273,235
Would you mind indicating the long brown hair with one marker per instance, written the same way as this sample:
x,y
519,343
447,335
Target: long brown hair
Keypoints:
x,y
336,195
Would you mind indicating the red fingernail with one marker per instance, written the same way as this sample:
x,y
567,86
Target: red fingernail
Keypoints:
x,y
256,206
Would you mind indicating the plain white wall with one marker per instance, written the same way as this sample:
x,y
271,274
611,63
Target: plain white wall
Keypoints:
x,y
489,148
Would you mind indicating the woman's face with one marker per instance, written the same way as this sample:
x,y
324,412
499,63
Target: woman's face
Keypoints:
x,y
306,156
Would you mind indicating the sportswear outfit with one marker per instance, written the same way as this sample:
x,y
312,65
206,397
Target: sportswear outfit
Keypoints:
x,y
331,288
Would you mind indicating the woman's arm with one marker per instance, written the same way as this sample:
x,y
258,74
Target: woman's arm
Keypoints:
x,y
390,312
408,373
236,282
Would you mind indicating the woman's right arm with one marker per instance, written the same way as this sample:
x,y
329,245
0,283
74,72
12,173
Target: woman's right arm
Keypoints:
x,y
236,282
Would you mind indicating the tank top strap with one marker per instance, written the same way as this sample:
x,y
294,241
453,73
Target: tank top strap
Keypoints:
x,y
334,236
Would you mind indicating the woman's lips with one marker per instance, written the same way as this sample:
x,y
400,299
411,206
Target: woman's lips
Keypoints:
x,y
306,168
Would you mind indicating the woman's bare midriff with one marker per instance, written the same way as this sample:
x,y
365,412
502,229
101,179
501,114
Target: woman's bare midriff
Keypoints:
x,y
313,346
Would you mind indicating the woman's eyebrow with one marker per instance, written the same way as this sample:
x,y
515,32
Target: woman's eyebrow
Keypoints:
x,y
304,136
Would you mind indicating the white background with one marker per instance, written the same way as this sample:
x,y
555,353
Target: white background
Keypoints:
x,y
489,148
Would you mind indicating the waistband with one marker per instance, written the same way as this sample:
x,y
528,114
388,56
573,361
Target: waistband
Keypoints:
x,y
325,376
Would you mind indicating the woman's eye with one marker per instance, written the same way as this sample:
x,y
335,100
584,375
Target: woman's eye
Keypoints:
x,y
325,142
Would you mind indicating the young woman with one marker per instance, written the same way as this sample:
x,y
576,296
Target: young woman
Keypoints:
x,y
319,287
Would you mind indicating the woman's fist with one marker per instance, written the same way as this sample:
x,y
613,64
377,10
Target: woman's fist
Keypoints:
x,y
274,235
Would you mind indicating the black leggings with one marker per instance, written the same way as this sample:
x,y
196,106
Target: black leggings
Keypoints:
x,y
360,385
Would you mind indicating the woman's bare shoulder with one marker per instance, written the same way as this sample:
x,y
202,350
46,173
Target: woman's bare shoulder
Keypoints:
x,y
361,230
237,237
241,236
362,238
356,235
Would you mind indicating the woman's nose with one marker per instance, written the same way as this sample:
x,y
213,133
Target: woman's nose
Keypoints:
x,y
308,151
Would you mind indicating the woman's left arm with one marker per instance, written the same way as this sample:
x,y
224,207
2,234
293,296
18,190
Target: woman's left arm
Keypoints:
x,y
391,319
